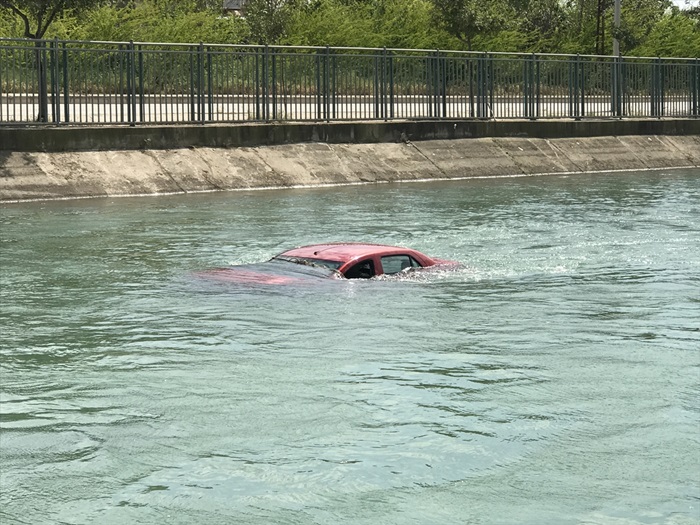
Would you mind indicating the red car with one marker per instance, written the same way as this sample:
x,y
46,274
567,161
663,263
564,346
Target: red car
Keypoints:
x,y
335,260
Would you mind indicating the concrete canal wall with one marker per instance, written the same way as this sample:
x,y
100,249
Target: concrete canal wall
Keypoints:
x,y
53,163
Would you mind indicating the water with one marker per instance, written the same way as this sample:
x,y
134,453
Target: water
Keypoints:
x,y
554,379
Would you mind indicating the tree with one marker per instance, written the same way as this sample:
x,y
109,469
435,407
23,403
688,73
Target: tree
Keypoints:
x,y
268,19
38,15
541,24
466,19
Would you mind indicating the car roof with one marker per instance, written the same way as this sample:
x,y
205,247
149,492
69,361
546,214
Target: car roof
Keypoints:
x,y
344,252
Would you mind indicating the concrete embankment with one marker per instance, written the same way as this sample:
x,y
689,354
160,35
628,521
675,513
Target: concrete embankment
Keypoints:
x,y
51,163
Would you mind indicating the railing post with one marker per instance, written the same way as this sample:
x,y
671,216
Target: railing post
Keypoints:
x,y
334,85
193,107
200,84
656,89
526,87
437,84
376,88
572,103
491,108
327,84
695,86
390,66
265,74
443,85
42,80
131,82
257,84
66,93
383,85
55,82
319,87
480,87
470,74
210,85
616,88
582,86
142,97
273,86
530,88
538,87
575,94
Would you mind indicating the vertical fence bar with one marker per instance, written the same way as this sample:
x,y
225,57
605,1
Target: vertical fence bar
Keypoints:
x,y
55,95
443,85
132,83
193,113
615,88
573,106
265,65
654,99
581,86
695,86
42,80
200,84
377,111
390,83
257,87
384,85
436,85
5,83
526,88
480,86
121,82
490,109
210,95
334,86
140,77
3,61
318,70
273,58
326,85
538,87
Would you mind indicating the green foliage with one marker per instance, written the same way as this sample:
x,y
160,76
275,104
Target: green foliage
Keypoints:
x,y
332,23
648,27
38,15
269,20
150,21
469,19
388,23
10,25
675,35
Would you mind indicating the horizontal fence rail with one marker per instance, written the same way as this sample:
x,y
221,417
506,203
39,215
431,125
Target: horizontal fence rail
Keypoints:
x,y
69,82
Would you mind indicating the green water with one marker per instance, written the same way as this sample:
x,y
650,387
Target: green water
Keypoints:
x,y
555,378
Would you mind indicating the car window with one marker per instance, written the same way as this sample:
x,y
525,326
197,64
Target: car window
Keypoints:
x,y
397,263
362,270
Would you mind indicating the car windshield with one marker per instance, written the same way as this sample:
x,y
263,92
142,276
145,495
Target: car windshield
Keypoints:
x,y
331,265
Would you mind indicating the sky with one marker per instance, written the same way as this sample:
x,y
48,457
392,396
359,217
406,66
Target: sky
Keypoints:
x,y
682,3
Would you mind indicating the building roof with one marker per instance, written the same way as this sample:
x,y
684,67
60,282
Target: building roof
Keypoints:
x,y
233,5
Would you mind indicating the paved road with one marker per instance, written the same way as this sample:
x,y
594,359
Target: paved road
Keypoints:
x,y
109,109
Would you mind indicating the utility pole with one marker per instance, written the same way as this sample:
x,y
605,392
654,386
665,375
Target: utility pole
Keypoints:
x,y
616,23
617,73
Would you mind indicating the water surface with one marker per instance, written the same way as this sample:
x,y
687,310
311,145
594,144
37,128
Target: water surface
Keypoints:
x,y
555,378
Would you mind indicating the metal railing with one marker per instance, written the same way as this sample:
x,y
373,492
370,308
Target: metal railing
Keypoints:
x,y
116,83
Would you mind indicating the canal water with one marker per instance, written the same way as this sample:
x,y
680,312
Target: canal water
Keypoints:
x,y
554,378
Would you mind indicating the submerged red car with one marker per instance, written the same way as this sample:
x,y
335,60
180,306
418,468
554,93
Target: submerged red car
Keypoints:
x,y
334,260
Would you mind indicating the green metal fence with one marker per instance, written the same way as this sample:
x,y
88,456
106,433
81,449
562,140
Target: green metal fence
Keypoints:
x,y
71,82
